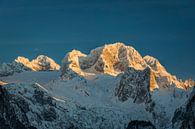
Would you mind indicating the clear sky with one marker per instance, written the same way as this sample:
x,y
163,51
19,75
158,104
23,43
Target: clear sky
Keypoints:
x,y
164,29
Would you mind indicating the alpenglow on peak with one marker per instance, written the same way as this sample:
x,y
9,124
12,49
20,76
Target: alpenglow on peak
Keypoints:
x,y
113,59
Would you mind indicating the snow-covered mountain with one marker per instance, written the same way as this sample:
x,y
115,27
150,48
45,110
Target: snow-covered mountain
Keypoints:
x,y
41,63
112,87
110,59
21,64
114,59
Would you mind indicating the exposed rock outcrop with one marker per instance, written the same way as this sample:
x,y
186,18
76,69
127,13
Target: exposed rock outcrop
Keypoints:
x,y
184,117
135,84
140,125
30,106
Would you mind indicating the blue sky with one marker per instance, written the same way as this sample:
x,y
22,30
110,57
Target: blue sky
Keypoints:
x,y
164,29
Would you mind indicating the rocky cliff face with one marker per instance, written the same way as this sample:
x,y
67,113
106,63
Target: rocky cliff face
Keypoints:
x,y
135,84
140,125
184,117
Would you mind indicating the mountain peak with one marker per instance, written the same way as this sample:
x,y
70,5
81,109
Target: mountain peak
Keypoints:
x,y
109,59
41,63
108,88
113,59
154,64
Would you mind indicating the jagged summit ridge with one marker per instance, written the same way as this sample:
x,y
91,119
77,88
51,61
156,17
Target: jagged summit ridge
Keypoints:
x,y
154,64
164,78
21,64
110,59
113,59
41,63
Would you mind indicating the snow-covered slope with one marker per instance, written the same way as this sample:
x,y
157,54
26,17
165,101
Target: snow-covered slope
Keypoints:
x,y
89,102
111,88
21,64
31,106
7,69
41,77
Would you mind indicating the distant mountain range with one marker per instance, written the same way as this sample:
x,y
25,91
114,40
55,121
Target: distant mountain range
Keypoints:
x,y
21,64
113,87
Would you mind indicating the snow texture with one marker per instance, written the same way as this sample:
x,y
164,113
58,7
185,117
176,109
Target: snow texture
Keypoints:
x,y
111,88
